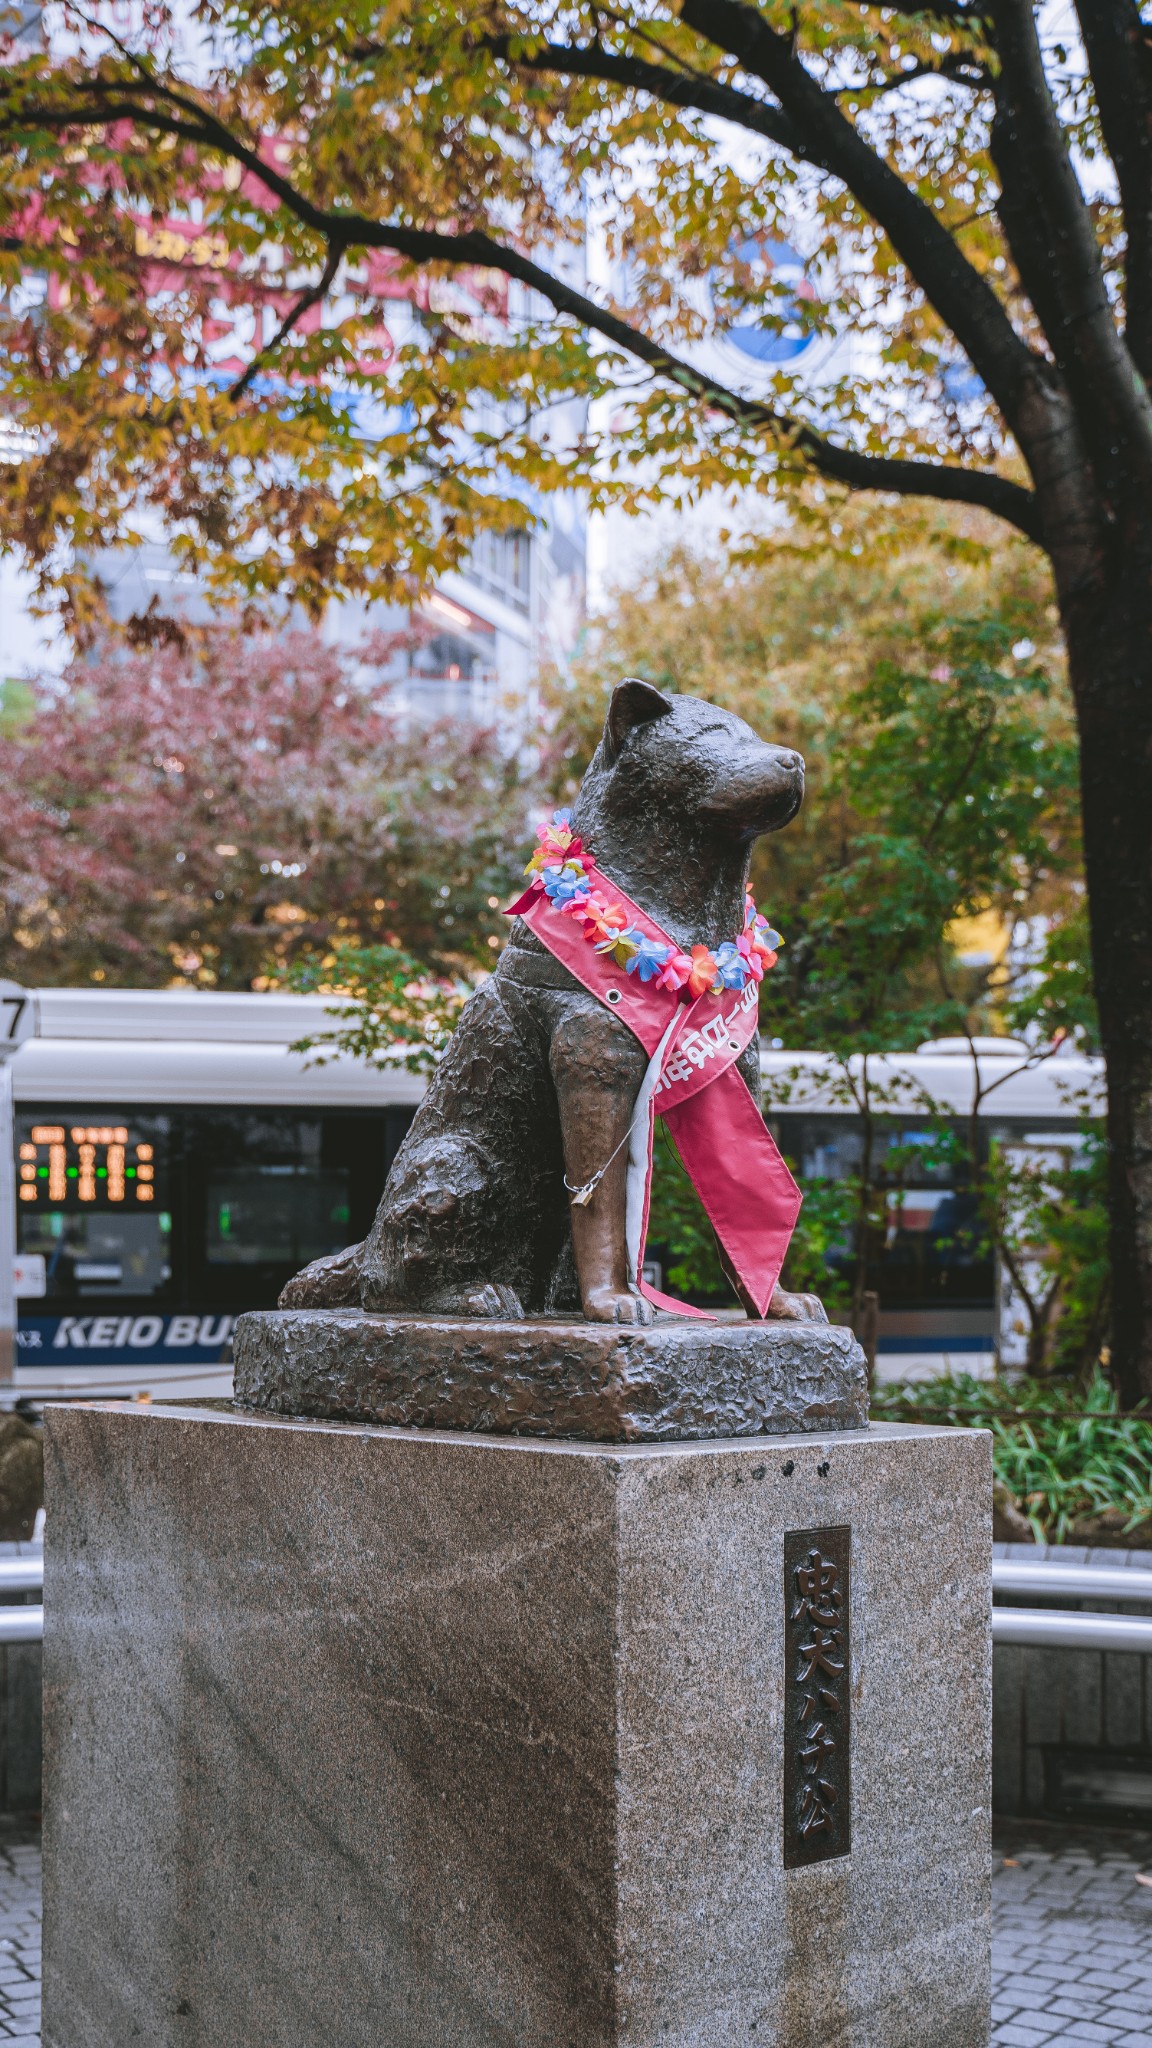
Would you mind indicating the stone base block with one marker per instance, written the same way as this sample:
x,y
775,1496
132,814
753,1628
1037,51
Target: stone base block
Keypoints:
x,y
364,1738
602,1382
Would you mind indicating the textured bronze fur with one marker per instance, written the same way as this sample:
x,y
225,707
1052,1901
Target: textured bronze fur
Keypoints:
x,y
540,1081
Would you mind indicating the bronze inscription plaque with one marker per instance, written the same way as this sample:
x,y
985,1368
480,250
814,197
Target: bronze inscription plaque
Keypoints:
x,y
817,1698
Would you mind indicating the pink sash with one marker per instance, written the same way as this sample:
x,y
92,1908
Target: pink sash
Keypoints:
x,y
751,1198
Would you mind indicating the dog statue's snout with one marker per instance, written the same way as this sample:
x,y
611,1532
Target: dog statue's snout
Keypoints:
x,y
790,759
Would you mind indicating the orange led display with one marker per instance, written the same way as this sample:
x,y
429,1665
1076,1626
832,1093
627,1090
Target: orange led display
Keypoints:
x,y
85,1163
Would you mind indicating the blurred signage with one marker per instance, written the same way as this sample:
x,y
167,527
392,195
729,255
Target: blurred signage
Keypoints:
x,y
30,1276
247,297
776,333
114,1339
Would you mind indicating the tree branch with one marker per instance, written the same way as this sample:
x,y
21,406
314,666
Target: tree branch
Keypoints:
x,y
958,12
1029,145
678,89
963,299
811,125
1119,51
907,479
345,231
957,69
312,297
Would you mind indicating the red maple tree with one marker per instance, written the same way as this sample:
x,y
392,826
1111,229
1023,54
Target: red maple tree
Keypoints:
x,y
204,812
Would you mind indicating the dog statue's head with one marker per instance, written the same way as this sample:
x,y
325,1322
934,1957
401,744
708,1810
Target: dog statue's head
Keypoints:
x,y
688,767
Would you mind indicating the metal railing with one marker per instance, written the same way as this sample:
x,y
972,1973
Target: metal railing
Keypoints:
x,y
1071,1581
21,1625
1054,1628
20,1622
21,1575
1051,1627
1057,1630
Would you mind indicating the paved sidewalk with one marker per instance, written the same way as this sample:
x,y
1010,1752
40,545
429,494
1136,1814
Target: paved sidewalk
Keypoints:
x,y
1072,1937
19,1933
1072,1955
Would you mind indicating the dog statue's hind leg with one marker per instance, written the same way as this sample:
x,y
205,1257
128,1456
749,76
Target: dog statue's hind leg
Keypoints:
x,y
472,1219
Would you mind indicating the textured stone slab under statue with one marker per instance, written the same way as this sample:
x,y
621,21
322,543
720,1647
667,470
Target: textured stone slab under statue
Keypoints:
x,y
523,1661
603,1382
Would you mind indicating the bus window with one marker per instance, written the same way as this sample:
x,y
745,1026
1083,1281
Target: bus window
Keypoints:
x,y
92,1202
264,1215
268,1190
822,1147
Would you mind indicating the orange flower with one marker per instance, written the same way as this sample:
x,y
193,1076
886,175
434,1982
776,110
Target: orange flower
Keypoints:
x,y
703,971
602,919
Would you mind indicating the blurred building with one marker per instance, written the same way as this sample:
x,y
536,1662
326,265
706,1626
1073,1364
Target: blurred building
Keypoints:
x,y
474,646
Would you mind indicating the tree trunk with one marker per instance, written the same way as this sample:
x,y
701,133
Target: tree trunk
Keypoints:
x,y
1107,618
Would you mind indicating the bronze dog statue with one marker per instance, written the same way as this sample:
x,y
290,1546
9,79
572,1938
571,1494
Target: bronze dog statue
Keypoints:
x,y
539,1082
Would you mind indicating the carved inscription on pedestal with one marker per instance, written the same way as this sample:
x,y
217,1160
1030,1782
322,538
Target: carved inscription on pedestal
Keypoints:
x,y
817,1700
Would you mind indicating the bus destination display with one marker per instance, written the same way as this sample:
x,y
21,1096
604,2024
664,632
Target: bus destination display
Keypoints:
x,y
85,1165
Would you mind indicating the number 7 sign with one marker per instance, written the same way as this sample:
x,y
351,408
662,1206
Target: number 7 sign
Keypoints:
x,y
17,1016
18,1021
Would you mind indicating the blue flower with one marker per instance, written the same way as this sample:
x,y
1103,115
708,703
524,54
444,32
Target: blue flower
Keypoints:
x,y
561,817
648,958
565,884
731,968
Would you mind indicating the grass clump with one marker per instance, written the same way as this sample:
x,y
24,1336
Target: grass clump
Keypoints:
x,y
1077,1469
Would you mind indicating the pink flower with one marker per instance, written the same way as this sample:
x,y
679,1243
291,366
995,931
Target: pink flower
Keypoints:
x,y
675,971
750,955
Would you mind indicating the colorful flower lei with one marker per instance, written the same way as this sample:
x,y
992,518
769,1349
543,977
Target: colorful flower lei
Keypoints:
x,y
560,866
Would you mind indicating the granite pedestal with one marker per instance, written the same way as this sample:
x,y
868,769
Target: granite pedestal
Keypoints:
x,y
360,1737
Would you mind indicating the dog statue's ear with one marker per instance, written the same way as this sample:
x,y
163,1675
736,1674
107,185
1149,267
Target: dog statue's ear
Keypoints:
x,y
633,703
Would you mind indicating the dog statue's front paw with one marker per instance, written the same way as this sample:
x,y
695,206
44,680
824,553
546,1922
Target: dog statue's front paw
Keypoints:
x,y
797,1308
607,1305
333,1282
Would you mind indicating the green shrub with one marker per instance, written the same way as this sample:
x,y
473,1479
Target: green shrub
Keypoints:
x,y
1063,1450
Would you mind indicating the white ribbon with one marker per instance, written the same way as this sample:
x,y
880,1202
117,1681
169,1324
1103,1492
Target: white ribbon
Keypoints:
x,y
640,1152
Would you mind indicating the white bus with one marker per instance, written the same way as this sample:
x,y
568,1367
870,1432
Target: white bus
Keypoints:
x,y
176,1162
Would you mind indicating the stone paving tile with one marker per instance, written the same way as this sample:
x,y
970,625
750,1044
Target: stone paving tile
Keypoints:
x,y
1072,1955
1072,1963
19,1934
